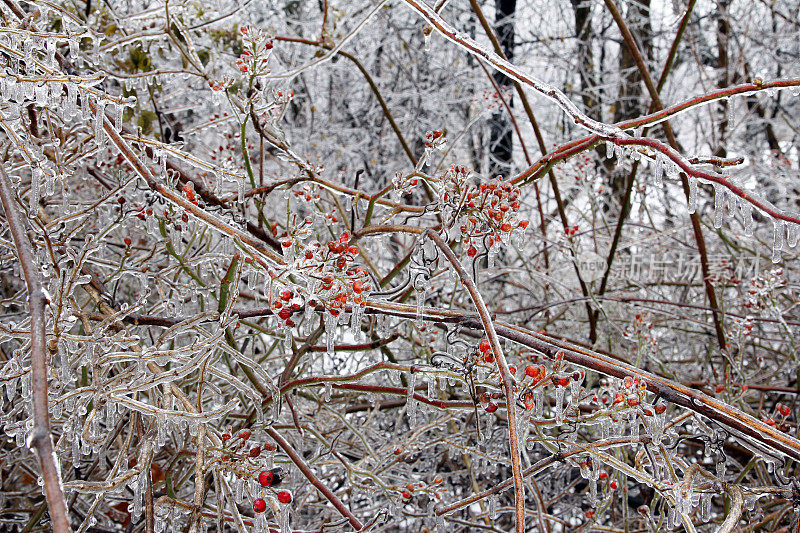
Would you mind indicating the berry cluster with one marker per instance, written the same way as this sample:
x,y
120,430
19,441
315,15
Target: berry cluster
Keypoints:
x,y
491,210
255,56
337,280
435,140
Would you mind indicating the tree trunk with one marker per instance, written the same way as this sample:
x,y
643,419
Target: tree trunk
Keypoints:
x,y
501,145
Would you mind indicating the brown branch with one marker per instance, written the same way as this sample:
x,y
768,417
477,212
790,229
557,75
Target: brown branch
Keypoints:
x,y
41,440
313,479
505,373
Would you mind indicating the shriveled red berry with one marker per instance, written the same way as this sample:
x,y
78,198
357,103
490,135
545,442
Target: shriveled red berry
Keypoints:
x,y
244,434
284,496
484,346
255,451
259,505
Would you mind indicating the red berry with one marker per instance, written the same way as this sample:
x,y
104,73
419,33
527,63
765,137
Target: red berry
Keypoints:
x,y
472,252
265,478
286,295
259,505
491,408
532,371
285,313
255,451
485,346
128,241
244,434
284,496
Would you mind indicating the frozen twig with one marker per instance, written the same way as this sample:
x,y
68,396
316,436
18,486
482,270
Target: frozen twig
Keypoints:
x,y
40,440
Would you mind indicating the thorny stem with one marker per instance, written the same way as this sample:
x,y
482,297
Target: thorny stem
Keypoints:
x,y
40,439
505,373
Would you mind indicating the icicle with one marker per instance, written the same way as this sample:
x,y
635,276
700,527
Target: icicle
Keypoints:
x,y
692,195
161,435
491,502
747,217
792,234
35,194
419,320
238,487
355,321
411,404
634,423
609,149
327,392
287,338
593,491
658,171
285,519
559,405
705,506
719,208
777,239
99,137
240,191
330,332
538,402
731,115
